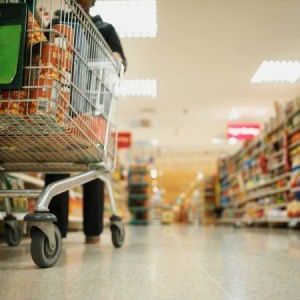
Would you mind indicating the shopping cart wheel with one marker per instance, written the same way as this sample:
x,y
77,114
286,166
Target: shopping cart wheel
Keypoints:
x,y
117,231
117,236
13,235
41,253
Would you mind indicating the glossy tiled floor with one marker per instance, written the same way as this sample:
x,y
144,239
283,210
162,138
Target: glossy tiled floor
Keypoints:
x,y
161,262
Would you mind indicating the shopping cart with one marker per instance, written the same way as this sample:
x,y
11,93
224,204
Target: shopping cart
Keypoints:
x,y
62,117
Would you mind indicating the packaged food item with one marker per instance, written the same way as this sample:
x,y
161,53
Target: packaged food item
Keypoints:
x,y
46,95
63,36
91,128
53,55
13,107
34,33
63,106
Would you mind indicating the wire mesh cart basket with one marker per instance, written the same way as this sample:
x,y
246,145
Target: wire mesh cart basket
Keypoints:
x,y
58,111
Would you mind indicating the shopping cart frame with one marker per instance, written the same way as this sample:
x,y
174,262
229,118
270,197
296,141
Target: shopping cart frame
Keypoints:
x,y
46,240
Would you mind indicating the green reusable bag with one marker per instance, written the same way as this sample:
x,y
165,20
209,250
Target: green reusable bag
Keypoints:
x,y
10,36
13,22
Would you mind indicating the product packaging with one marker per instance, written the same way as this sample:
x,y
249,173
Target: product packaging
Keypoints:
x,y
46,95
13,107
34,33
91,128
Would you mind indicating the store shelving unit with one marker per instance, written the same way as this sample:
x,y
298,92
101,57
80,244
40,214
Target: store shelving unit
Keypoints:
x,y
138,194
120,194
260,183
20,206
208,200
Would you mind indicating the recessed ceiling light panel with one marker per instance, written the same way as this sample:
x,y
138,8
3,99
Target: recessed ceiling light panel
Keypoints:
x,y
248,113
131,18
277,71
138,88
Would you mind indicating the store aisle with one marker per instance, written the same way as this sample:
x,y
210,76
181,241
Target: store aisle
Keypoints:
x,y
161,262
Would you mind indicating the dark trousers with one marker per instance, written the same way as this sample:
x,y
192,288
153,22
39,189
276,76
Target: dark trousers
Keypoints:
x,y
93,206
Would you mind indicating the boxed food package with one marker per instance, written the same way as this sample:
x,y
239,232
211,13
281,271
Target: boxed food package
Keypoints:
x,y
63,102
89,127
53,55
34,33
52,98
54,63
63,36
13,107
46,94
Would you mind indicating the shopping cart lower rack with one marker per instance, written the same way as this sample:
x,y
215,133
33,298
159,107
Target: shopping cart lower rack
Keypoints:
x,y
57,114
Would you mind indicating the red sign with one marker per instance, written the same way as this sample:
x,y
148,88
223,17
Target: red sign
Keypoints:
x,y
242,131
124,140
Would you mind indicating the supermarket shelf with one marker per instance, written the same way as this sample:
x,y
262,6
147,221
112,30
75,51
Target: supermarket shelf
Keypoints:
x,y
276,166
27,178
139,222
20,193
264,146
293,114
227,221
236,194
280,152
140,197
74,194
19,215
270,181
261,195
295,144
291,221
265,185
293,155
294,130
138,171
137,184
270,205
138,209
75,219
296,189
269,193
275,129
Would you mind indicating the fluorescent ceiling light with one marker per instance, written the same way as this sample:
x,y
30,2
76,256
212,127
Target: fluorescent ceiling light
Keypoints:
x,y
131,18
248,113
221,141
217,141
138,88
277,71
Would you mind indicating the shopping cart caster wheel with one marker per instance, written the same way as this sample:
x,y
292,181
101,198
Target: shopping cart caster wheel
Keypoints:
x,y
117,235
41,253
13,235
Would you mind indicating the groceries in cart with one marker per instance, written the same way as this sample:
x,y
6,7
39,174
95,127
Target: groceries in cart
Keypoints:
x,y
69,87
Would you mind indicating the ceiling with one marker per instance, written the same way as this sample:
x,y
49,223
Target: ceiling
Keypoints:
x,y
203,59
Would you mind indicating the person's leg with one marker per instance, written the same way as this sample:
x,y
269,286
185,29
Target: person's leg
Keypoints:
x,y
93,206
59,205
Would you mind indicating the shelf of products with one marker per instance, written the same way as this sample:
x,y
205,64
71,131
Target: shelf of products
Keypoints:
x,y
138,194
208,200
19,206
120,194
261,182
